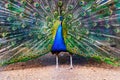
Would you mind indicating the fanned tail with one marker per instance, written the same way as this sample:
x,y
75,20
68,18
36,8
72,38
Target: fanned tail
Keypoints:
x,y
25,31
93,29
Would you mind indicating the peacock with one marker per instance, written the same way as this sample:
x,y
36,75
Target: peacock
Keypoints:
x,y
32,28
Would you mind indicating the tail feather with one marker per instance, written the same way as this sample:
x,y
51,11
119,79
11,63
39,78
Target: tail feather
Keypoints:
x,y
90,28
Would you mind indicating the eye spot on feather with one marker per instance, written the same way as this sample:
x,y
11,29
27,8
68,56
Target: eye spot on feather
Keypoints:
x,y
8,5
81,3
14,28
60,3
70,7
48,18
69,46
23,2
78,23
69,37
63,13
69,17
94,24
107,26
10,19
24,25
56,14
117,30
22,15
4,34
75,50
47,8
36,4
35,14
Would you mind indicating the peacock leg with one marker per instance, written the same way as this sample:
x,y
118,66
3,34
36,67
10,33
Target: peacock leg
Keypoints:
x,y
71,62
57,62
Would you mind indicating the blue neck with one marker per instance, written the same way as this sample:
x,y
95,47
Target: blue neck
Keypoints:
x,y
59,44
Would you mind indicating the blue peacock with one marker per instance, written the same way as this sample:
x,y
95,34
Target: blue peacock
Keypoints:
x,y
32,28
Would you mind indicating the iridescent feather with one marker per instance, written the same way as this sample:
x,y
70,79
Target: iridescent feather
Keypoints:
x,y
90,28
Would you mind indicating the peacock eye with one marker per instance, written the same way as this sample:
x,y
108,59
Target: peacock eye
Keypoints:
x,y
78,23
13,43
8,5
63,12
36,4
38,23
117,30
69,45
24,25
75,49
70,16
107,26
55,13
22,15
70,7
9,19
94,24
81,3
36,14
47,8
60,3
48,18
4,34
14,28
23,2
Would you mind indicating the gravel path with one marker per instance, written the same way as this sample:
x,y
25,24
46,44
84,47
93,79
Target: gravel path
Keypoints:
x,y
44,69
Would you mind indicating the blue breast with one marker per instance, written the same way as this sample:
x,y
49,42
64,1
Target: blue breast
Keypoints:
x,y
59,44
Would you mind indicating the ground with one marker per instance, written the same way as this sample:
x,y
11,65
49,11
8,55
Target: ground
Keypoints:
x,y
44,69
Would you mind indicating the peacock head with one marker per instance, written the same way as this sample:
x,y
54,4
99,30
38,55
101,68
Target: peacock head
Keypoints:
x,y
61,18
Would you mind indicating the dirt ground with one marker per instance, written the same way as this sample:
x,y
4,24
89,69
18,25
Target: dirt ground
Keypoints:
x,y
44,69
